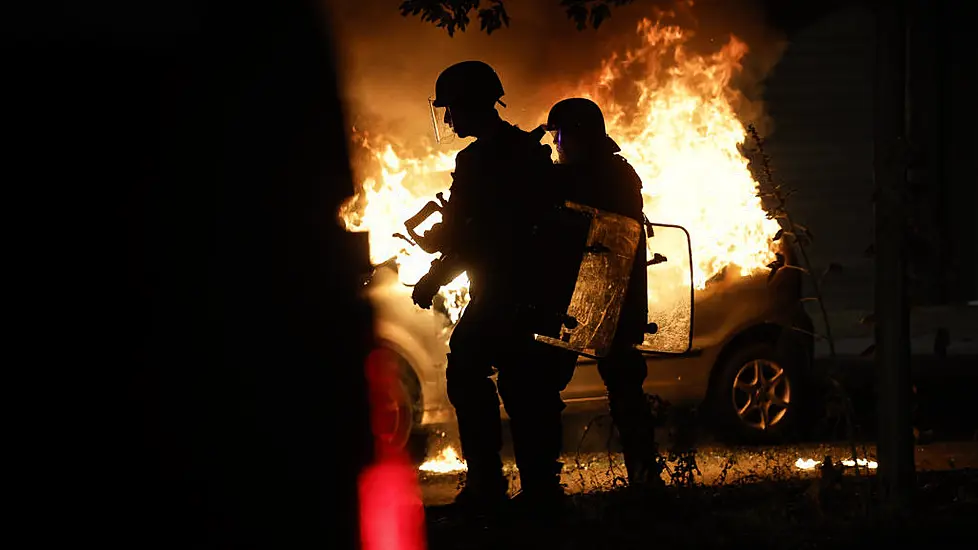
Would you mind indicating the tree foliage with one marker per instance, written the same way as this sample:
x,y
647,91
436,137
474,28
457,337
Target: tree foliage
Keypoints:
x,y
455,15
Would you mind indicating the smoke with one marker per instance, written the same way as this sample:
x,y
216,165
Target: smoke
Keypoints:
x,y
391,62
401,322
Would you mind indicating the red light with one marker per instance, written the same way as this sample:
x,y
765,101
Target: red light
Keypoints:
x,y
391,510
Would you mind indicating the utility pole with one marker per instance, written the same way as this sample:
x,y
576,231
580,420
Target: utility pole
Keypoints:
x,y
895,451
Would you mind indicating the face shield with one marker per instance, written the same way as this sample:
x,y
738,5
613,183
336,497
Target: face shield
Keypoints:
x,y
441,122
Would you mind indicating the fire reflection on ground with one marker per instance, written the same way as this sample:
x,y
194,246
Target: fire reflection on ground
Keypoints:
x,y
602,471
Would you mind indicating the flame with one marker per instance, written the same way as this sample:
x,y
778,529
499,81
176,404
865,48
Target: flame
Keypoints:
x,y
861,462
679,130
401,187
811,464
446,462
806,464
683,137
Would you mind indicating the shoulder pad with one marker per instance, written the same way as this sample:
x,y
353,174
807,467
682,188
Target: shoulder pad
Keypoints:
x,y
625,162
629,169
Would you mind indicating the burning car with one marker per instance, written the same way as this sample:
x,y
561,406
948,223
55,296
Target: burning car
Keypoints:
x,y
747,357
748,366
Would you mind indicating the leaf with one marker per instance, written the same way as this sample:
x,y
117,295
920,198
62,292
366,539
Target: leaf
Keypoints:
x,y
774,266
452,15
503,16
410,7
493,18
777,236
578,14
598,14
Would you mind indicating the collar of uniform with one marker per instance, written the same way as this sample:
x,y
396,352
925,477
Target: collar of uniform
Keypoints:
x,y
497,128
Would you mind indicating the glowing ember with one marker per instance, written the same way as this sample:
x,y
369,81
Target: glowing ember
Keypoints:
x,y
446,462
680,132
806,464
861,462
809,464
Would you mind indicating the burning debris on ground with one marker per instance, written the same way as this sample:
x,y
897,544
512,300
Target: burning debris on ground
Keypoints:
x,y
592,472
597,466
446,461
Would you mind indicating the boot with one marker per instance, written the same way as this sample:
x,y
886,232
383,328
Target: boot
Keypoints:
x,y
644,472
483,495
541,502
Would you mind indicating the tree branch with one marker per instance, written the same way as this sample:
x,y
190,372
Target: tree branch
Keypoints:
x,y
455,15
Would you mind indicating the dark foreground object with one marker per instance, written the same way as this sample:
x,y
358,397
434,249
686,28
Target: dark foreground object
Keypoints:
x,y
816,513
181,280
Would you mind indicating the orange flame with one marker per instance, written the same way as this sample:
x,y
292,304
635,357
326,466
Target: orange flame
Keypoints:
x,y
680,132
683,137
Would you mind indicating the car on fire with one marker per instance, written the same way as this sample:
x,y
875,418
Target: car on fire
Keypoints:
x,y
749,366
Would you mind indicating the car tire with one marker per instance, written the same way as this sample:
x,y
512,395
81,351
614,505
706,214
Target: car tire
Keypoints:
x,y
402,413
759,395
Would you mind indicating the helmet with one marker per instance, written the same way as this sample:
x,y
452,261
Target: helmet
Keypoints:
x,y
583,119
578,114
468,82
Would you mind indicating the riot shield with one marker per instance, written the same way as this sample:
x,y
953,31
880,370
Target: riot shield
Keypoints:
x,y
602,248
670,290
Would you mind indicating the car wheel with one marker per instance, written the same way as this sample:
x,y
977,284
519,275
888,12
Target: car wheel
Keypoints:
x,y
399,417
758,396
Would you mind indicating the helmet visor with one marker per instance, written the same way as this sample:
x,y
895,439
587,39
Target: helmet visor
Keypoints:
x,y
441,122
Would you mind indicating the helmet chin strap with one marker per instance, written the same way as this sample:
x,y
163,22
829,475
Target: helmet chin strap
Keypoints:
x,y
499,101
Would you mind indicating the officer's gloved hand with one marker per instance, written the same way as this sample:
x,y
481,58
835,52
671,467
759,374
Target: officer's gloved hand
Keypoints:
x,y
424,292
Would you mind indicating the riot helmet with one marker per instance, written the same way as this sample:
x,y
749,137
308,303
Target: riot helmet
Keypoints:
x,y
578,127
465,86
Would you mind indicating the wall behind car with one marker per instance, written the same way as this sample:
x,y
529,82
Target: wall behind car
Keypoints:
x,y
820,97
